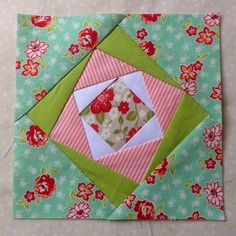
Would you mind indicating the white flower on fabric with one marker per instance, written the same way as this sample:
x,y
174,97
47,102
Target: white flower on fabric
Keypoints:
x,y
190,87
212,19
36,48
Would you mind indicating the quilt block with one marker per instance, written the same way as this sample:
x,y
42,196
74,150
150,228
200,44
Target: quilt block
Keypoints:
x,y
118,117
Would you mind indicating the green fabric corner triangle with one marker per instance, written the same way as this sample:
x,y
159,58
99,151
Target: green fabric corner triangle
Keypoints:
x,y
53,103
115,186
120,45
187,116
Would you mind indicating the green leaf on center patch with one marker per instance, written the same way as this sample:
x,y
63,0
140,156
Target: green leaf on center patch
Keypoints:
x,y
100,117
120,120
150,114
131,115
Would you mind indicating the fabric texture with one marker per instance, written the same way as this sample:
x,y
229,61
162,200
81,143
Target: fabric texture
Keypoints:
x,y
129,127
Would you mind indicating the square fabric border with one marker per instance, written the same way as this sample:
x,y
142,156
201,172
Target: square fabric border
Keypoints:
x,y
118,117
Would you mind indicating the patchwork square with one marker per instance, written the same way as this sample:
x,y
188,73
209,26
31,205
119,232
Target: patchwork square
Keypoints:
x,y
117,114
121,120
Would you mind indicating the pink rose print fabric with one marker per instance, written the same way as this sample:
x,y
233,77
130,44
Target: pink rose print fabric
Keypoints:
x,y
117,114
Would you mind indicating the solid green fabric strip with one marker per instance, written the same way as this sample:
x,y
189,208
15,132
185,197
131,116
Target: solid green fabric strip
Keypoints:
x,y
120,45
46,112
115,186
187,116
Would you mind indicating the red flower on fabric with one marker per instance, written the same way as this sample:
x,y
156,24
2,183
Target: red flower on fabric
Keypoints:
x,y
102,102
18,65
85,190
219,155
210,163
222,208
36,137
191,31
161,169
148,47
188,72
216,92
162,216
79,211
190,87
212,19
150,179
136,99
95,127
123,107
141,33
40,95
213,136
214,193
145,210
73,49
30,68
196,188
149,18
206,36
99,194
131,133
129,201
88,38
195,216
29,196
41,21
198,65
44,185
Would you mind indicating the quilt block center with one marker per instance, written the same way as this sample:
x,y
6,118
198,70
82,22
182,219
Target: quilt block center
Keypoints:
x,y
117,114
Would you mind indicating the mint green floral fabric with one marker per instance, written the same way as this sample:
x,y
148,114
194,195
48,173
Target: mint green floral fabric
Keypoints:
x,y
57,38
37,168
171,40
183,186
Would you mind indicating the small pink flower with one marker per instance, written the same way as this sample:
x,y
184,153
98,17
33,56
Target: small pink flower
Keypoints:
x,y
196,188
212,19
29,196
79,211
191,31
18,65
141,34
188,72
195,216
213,136
206,36
73,49
190,87
210,163
150,179
216,92
129,201
214,193
99,194
36,48
198,65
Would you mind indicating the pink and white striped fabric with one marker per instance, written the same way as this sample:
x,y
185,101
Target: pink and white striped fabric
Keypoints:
x,y
132,162
165,99
102,67
69,129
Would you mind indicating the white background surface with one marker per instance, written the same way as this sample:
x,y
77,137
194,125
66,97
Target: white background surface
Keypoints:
x,y
8,10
